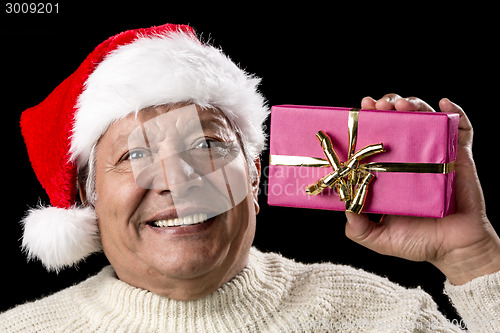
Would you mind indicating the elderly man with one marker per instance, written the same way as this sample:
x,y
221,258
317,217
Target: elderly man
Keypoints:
x,y
160,136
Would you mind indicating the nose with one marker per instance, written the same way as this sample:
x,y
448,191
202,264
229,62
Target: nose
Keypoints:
x,y
180,177
169,174
176,176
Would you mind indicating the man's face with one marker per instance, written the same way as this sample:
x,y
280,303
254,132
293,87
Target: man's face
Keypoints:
x,y
174,200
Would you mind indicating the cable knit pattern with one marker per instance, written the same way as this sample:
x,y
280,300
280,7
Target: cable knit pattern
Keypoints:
x,y
478,302
272,294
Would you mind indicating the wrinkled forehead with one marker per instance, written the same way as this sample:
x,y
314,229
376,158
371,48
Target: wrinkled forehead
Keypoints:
x,y
170,121
180,115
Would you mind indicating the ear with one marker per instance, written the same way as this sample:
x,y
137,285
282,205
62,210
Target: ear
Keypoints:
x,y
255,184
82,193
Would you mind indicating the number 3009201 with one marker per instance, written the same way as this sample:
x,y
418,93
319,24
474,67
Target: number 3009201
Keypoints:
x,y
31,8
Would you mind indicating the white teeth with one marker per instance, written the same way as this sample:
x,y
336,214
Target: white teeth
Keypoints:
x,y
187,220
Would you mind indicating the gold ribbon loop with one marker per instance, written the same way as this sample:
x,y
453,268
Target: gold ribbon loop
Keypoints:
x,y
351,181
357,203
328,150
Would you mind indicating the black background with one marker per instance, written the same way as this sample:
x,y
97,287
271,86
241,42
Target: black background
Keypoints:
x,y
306,53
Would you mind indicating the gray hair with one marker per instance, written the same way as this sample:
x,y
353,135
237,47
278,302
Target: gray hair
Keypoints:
x,y
87,175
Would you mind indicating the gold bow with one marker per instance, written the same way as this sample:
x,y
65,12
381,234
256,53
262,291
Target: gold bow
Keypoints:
x,y
351,179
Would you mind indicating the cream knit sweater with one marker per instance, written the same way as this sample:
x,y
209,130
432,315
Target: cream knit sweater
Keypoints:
x,y
272,294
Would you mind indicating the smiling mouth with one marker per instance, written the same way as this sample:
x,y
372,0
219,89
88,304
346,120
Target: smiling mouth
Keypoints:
x,y
181,221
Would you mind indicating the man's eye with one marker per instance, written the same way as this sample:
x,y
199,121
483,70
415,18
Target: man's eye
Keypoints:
x,y
138,153
212,144
204,144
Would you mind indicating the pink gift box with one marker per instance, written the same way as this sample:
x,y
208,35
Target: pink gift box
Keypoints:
x,y
408,137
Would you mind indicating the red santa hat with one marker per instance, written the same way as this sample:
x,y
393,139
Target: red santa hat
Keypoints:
x,y
126,73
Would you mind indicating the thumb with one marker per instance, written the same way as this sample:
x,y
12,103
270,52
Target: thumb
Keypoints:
x,y
361,230
357,227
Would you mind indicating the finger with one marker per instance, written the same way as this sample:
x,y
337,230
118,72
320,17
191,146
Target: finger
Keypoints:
x,y
357,227
360,229
387,102
367,233
447,106
465,131
368,103
412,104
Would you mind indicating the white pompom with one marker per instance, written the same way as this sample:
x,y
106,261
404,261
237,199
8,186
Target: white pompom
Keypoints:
x,y
60,237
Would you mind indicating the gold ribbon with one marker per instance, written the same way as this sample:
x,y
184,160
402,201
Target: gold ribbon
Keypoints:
x,y
350,178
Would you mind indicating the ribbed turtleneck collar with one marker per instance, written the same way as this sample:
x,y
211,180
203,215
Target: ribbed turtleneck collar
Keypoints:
x,y
253,295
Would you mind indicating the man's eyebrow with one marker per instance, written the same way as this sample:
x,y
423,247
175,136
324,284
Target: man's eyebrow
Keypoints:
x,y
126,137
121,140
207,123
213,123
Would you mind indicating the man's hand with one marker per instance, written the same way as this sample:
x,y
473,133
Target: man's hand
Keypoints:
x,y
463,245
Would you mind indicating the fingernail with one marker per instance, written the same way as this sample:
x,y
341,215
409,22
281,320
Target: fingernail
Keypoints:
x,y
348,216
